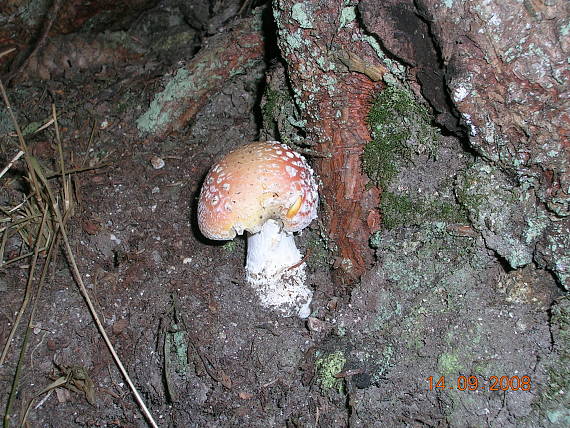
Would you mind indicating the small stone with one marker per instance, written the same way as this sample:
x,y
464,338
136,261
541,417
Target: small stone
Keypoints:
x,y
157,162
317,325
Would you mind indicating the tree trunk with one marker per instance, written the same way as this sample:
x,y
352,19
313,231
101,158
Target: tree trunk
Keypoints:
x,y
321,43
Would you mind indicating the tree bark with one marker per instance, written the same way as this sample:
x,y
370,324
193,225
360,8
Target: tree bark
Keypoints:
x,y
184,95
318,40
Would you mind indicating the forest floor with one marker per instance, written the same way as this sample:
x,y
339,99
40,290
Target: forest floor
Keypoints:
x,y
437,306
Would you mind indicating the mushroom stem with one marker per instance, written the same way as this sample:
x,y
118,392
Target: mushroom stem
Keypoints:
x,y
274,269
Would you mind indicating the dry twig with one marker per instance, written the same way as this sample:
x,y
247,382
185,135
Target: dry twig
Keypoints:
x,y
43,190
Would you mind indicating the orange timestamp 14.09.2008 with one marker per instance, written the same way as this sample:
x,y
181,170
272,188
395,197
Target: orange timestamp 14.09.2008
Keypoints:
x,y
476,383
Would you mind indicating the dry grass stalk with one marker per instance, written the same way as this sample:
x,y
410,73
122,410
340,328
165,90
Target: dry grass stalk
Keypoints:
x,y
52,213
23,348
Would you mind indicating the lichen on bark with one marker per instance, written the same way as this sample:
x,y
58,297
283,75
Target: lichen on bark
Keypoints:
x,y
335,102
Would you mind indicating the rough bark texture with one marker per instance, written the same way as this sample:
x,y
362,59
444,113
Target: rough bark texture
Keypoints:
x,y
507,71
503,65
190,88
406,35
335,102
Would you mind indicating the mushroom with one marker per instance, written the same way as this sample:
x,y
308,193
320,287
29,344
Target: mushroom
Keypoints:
x,y
269,191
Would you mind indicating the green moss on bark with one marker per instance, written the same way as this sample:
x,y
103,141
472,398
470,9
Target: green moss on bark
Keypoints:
x,y
399,126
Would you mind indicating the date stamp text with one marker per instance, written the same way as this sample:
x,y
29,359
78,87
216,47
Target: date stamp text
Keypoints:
x,y
477,383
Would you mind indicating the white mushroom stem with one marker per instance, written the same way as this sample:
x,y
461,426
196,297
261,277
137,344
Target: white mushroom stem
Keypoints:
x,y
274,268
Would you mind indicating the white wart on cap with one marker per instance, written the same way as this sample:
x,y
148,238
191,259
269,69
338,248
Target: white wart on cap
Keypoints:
x,y
254,183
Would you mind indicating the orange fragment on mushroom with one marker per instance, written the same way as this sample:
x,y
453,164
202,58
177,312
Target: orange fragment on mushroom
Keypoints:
x,y
294,209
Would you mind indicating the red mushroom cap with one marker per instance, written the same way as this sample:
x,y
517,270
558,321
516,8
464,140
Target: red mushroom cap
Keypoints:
x,y
254,183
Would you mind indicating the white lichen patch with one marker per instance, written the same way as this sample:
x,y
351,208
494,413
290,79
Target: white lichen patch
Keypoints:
x,y
460,93
469,122
300,14
347,15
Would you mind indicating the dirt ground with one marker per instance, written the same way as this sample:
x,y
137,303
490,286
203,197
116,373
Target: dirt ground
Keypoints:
x,y
201,350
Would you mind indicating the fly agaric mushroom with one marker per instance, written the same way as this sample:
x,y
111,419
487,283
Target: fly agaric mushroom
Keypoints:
x,y
268,190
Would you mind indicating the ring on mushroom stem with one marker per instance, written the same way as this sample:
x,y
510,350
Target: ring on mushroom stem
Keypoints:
x,y
269,191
